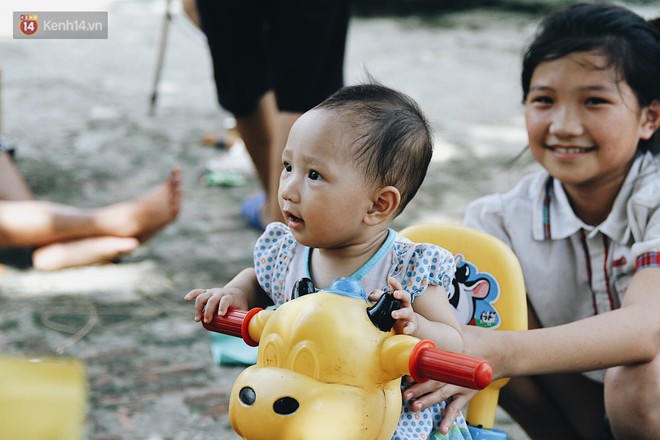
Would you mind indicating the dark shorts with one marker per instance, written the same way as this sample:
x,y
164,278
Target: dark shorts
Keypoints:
x,y
293,47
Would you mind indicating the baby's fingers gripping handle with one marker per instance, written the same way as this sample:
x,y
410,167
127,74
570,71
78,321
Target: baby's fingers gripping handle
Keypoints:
x,y
233,323
428,362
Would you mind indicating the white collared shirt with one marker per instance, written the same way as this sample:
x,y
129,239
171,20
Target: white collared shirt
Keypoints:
x,y
573,270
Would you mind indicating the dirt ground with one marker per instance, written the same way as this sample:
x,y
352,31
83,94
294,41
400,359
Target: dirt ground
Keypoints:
x,y
78,112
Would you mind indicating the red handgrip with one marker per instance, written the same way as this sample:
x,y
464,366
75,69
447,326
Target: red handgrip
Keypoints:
x,y
428,362
233,323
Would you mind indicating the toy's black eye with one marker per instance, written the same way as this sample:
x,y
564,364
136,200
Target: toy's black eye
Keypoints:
x,y
285,406
247,396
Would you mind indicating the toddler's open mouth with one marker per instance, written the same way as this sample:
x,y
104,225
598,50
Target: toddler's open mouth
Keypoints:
x,y
293,221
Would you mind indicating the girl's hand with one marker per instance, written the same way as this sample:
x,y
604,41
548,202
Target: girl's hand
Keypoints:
x,y
431,392
210,301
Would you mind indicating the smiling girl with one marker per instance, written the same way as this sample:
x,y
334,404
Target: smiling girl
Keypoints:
x,y
586,231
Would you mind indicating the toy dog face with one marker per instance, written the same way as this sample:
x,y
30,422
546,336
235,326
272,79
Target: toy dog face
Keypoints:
x,y
318,356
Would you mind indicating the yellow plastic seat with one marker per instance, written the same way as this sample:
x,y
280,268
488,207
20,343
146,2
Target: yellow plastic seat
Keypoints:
x,y
491,260
42,398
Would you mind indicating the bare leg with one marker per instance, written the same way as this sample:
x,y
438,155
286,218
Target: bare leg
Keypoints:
x,y
12,184
69,236
631,396
272,208
143,217
190,9
265,133
258,132
82,252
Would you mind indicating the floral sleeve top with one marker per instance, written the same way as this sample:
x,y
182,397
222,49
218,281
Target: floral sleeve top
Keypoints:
x,y
280,261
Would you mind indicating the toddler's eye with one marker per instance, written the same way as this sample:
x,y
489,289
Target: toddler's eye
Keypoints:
x,y
313,175
287,167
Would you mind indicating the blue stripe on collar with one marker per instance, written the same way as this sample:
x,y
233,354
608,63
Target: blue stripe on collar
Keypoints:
x,y
361,272
386,246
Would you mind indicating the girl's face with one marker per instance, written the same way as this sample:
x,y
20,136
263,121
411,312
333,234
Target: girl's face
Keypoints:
x,y
583,124
323,195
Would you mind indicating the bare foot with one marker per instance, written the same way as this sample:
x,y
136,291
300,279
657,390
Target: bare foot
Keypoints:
x,y
143,217
82,252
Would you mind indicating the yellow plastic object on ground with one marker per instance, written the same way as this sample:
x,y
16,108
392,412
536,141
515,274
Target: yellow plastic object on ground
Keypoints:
x,y
42,398
493,257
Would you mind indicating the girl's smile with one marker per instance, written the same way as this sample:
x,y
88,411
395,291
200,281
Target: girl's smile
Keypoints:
x,y
569,151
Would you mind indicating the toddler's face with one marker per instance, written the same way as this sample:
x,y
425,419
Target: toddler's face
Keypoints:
x,y
323,194
583,123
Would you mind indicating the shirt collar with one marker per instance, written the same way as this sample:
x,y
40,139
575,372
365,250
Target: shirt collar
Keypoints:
x,y
553,217
361,272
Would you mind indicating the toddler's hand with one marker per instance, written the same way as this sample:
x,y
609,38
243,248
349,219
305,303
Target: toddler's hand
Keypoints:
x,y
210,301
406,318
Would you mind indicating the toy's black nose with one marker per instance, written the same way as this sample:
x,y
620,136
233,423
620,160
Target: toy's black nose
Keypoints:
x,y
285,406
247,396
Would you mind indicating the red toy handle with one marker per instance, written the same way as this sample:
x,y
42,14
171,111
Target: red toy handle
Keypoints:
x,y
428,362
234,323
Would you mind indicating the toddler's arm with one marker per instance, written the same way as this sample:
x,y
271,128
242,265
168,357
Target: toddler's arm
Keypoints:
x,y
430,318
242,292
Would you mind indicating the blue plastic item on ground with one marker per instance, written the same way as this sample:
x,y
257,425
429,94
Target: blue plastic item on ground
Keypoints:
x,y
229,351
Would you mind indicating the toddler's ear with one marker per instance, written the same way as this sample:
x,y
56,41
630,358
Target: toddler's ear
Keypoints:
x,y
384,206
651,119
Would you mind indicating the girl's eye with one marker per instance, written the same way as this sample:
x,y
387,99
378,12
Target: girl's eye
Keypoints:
x,y
287,167
544,100
313,175
595,101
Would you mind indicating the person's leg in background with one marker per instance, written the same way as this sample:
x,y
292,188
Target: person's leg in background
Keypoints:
x,y
68,236
190,9
258,133
278,70
307,58
12,183
235,33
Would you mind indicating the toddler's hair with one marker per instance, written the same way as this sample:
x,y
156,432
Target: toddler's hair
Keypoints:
x,y
394,143
630,43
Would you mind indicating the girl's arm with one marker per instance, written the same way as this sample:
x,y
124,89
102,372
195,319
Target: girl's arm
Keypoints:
x,y
430,317
627,335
